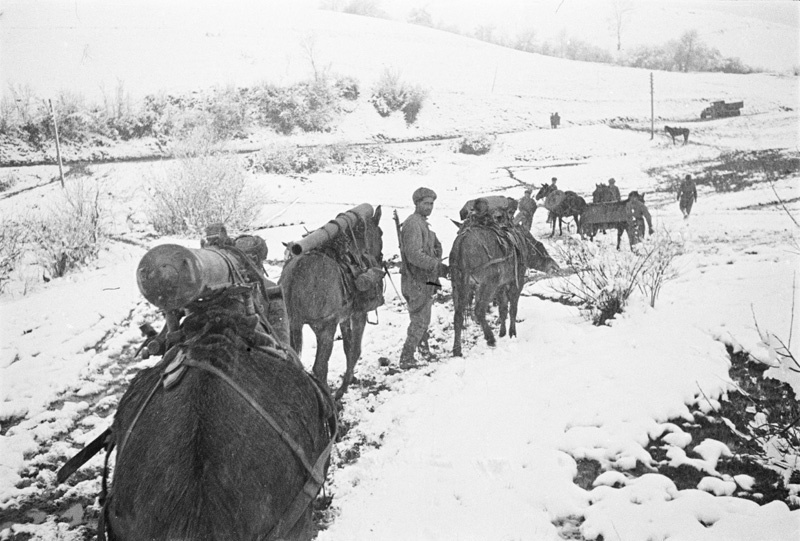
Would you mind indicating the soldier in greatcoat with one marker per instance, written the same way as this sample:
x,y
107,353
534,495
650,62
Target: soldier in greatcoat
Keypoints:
x,y
526,207
422,266
687,195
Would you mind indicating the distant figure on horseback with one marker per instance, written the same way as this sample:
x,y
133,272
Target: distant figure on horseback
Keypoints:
x,y
678,132
561,204
613,190
687,195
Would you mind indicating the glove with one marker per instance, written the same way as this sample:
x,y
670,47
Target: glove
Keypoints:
x,y
443,270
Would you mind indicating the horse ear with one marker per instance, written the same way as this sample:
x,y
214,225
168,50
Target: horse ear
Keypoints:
x,y
285,244
377,216
458,224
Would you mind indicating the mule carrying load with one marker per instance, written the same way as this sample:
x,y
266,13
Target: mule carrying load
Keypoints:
x,y
619,215
228,419
488,262
334,276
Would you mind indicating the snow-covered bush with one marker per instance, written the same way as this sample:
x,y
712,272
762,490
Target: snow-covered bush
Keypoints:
x,y
391,94
201,189
477,144
603,279
12,247
286,159
310,106
72,231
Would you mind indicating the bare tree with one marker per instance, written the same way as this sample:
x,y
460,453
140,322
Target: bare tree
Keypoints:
x,y
620,13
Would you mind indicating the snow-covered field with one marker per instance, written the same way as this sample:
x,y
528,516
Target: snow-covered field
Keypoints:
x,y
487,446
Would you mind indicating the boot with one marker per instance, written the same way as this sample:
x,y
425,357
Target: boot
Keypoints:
x,y
424,348
407,356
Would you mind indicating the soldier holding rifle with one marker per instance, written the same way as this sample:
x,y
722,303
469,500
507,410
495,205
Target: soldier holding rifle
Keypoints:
x,y
421,253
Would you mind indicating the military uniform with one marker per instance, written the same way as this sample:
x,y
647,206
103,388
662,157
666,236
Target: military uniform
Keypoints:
x,y
421,253
687,195
526,208
637,214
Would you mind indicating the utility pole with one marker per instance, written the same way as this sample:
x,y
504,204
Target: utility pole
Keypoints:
x,y
58,146
652,109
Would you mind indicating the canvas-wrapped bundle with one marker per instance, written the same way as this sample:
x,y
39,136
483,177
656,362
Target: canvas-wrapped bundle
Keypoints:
x,y
333,228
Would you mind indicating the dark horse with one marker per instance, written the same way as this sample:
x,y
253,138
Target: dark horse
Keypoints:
x,y
228,437
561,204
614,214
320,294
483,267
677,132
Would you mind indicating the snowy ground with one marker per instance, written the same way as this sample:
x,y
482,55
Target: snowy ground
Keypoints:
x,y
487,446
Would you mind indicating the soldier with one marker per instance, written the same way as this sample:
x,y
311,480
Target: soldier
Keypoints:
x,y
637,214
526,206
612,188
421,252
256,249
687,195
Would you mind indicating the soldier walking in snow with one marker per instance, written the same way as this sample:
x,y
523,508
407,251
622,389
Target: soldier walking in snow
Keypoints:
x,y
421,253
687,195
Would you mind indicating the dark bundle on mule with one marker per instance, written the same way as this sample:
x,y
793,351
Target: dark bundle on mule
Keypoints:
x,y
227,437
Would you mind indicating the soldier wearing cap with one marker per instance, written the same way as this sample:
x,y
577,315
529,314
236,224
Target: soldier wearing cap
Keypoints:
x,y
526,208
612,188
421,252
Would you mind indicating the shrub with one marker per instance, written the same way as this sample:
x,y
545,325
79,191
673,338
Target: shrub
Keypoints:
x,y
390,94
476,144
7,181
199,190
604,279
72,232
308,106
347,87
288,159
12,247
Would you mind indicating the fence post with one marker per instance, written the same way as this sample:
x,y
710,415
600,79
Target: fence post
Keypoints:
x,y
58,145
652,109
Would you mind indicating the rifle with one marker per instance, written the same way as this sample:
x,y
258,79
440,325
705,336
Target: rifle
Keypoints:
x,y
399,238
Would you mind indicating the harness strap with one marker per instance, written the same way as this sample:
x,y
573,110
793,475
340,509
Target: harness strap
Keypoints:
x,y
267,417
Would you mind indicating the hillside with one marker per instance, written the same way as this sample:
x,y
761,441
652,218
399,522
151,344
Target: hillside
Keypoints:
x,y
671,421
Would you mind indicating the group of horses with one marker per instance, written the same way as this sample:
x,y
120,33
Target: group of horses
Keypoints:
x,y
228,436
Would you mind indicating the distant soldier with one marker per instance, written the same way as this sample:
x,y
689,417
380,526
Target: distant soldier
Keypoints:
x,y
612,188
687,195
422,266
637,214
556,120
526,208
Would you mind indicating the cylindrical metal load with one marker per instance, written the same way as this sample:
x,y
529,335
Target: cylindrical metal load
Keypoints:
x,y
171,276
328,231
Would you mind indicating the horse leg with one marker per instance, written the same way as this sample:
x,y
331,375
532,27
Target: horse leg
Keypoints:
x,y
513,301
296,338
502,307
620,229
325,333
352,334
483,296
459,292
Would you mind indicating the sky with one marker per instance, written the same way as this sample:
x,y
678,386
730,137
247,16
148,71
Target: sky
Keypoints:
x,y
486,446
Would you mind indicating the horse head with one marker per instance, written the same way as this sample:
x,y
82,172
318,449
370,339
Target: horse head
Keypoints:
x,y
544,191
373,235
